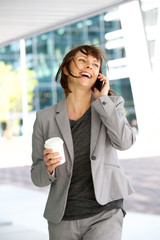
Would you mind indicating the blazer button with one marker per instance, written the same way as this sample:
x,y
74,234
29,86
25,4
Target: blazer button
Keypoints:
x,y
93,157
104,103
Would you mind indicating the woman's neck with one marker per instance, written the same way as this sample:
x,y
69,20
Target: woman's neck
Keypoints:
x,y
77,104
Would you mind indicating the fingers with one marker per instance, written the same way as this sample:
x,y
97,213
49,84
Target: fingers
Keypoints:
x,y
101,77
46,151
51,164
105,79
52,167
105,88
52,159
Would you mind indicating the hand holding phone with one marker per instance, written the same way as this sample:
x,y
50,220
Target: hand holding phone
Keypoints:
x,y
99,84
102,84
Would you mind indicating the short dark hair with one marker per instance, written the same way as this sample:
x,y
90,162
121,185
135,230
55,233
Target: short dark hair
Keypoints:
x,y
85,49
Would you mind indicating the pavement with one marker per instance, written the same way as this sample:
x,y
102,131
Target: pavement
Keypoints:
x,y
22,204
22,210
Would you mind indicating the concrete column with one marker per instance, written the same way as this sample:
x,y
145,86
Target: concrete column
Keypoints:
x,y
156,72
139,65
24,88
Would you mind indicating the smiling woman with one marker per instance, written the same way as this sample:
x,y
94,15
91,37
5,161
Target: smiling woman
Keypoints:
x,y
84,72
90,186
79,57
83,61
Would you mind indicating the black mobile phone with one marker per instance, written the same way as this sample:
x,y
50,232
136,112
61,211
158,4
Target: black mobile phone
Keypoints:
x,y
99,84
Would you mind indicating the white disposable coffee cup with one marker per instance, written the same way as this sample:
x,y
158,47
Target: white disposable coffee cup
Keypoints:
x,y
56,144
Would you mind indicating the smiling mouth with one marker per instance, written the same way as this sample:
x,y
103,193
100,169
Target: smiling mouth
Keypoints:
x,y
85,74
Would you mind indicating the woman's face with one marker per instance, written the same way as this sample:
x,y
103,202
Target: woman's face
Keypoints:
x,y
86,68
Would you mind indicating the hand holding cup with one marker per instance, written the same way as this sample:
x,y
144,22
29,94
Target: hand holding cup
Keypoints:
x,y
54,153
52,159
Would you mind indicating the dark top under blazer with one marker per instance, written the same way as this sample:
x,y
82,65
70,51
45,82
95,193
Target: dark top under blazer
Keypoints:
x,y
109,131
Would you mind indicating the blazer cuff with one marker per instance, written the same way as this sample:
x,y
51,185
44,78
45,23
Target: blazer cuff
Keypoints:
x,y
48,175
52,176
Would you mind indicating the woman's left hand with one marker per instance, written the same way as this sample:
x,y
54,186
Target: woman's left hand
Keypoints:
x,y
105,88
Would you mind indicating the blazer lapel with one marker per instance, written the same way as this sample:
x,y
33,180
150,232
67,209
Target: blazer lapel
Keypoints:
x,y
64,125
95,127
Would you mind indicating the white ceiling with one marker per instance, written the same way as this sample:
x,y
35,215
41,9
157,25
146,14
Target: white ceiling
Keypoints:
x,y
26,18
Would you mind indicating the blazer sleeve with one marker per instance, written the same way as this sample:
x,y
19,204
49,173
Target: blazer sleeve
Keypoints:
x,y
39,174
112,114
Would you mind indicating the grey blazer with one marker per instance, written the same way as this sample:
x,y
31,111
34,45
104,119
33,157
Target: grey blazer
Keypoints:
x,y
109,131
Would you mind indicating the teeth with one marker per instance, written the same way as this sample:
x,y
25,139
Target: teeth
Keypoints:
x,y
86,74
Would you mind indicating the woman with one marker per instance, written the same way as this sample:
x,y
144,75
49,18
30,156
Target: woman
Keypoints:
x,y
87,191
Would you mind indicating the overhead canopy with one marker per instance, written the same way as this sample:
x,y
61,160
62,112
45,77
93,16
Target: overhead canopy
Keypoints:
x,y
24,19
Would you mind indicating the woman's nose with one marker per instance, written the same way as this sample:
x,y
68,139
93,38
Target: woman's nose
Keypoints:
x,y
89,65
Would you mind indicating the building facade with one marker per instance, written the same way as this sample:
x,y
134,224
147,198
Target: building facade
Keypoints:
x,y
107,30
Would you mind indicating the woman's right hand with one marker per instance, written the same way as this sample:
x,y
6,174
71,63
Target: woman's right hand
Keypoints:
x,y
51,159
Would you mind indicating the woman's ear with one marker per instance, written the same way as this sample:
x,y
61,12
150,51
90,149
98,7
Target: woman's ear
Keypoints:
x,y
65,71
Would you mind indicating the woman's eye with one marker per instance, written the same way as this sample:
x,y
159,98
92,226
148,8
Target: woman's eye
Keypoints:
x,y
82,60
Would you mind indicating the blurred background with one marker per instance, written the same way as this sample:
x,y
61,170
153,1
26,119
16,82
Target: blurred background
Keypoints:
x,y
35,36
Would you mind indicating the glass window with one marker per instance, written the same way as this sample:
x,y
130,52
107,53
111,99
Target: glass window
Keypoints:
x,y
61,43
93,25
11,54
44,54
113,35
112,21
29,53
122,87
29,48
60,93
43,44
43,68
45,97
116,53
77,34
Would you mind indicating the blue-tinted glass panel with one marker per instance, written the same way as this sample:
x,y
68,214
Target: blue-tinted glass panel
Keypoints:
x,y
60,93
29,46
111,21
93,26
122,87
43,44
61,39
116,53
45,97
45,52
43,69
11,54
12,49
77,34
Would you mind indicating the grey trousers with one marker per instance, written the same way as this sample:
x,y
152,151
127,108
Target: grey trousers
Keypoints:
x,y
103,226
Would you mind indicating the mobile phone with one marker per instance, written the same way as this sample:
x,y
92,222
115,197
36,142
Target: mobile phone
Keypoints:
x,y
99,84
